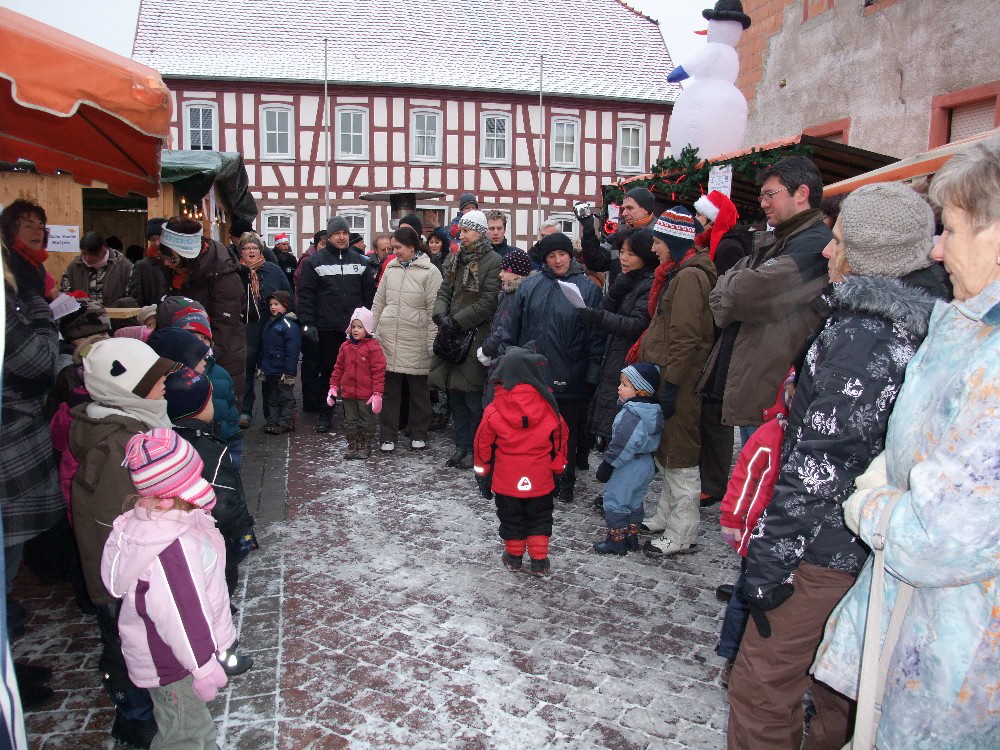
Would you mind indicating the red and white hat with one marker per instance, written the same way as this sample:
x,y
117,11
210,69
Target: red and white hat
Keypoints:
x,y
722,212
279,238
163,464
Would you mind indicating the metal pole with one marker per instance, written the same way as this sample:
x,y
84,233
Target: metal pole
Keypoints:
x,y
541,143
326,124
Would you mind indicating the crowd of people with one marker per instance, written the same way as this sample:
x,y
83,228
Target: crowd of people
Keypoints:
x,y
855,354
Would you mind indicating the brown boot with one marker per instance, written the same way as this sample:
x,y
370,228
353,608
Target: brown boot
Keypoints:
x,y
353,446
365,445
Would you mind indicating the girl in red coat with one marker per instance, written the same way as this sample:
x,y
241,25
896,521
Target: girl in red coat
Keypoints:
x,y
520,448
359,378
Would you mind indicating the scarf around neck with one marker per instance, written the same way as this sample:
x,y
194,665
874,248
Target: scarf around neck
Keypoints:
x,y
469,256
254,267
34,257
660,278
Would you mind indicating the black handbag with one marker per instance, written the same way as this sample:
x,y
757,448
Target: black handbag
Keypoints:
x,y
452,345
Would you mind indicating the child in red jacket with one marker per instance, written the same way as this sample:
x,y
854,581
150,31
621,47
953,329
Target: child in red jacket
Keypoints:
x,y
520,447
359,379
750,489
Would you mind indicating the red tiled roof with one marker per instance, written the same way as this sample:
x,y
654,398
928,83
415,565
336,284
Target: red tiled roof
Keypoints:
x,y
592,48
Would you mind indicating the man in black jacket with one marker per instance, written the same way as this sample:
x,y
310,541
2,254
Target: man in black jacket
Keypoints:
x,y
335,281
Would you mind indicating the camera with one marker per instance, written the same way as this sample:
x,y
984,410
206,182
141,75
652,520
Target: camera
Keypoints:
x,y
582,209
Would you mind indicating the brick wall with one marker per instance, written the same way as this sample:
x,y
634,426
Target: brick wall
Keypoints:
x,y
767,17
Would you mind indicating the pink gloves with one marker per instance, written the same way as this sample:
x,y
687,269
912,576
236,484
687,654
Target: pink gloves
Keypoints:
x,y
206,687
375,402
331,395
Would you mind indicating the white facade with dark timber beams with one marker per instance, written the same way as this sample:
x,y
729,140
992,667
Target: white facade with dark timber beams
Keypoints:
x,y
432,97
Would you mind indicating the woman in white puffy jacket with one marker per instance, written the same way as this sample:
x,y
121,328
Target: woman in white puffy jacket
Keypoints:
x,y
402,309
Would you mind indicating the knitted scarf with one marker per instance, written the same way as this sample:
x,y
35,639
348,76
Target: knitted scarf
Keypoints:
x,y
664,272
254,266
469,256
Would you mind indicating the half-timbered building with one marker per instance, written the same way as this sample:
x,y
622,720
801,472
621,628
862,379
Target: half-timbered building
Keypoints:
x,y
432,97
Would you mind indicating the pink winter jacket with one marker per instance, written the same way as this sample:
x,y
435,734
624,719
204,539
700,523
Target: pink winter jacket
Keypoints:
x,y
169,566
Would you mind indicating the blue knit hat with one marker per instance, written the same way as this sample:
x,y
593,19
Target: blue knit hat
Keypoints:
x,y
644,377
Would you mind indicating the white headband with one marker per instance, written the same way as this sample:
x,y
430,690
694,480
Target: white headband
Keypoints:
x,y
185,245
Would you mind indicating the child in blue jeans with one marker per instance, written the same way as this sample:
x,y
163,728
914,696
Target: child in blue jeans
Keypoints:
x,y
627,468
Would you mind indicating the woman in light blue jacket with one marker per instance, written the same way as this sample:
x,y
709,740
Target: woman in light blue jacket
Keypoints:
x,y
941,466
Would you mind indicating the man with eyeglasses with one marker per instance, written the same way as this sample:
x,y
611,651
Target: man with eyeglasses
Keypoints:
x,y
764,304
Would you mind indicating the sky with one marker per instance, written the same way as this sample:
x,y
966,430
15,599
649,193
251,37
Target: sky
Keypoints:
x,y
111,23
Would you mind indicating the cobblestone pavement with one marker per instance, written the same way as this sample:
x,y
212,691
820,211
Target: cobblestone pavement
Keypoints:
x,y
379,615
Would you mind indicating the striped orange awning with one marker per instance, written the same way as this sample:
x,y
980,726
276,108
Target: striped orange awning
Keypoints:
x,y
69,105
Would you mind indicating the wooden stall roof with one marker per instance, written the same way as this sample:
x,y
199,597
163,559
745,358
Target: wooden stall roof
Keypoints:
x,y
906,169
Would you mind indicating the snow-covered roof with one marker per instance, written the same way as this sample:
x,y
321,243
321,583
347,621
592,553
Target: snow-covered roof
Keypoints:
x,y
592,48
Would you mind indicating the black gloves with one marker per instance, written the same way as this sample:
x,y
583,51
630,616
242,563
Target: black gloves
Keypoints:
x,y
311,333
485,488
624,283
590,316
760,605
444,320
604,472
668,400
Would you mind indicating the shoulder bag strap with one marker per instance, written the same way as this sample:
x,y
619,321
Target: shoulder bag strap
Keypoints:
x,y
875,662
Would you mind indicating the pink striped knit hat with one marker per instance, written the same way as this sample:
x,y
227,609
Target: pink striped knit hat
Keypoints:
x,y
163,464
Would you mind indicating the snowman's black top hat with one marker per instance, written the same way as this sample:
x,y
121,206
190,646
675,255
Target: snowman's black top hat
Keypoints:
x,y
727,10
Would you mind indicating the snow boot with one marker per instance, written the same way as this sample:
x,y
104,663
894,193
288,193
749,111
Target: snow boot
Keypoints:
x,y
365,445
513,552
353,446
614,544
632,537
566,487
538,551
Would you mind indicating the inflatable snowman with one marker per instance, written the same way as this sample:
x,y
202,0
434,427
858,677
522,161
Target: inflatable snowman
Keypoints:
x,y
711,113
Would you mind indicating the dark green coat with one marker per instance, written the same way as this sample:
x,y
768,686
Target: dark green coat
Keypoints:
x,y
470,309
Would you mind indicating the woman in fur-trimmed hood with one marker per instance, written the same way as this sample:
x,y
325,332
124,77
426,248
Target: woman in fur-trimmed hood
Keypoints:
x,y
802,558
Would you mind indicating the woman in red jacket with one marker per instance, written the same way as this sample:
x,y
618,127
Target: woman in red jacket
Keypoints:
x,y
520,448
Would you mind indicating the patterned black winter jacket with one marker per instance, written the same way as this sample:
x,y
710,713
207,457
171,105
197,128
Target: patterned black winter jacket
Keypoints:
x,y
837,424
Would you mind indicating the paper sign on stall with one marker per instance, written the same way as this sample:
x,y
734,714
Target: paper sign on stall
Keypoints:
x,y
63,239
721,179
572,293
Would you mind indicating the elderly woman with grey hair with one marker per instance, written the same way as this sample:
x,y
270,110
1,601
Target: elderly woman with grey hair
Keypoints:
x,y
932,502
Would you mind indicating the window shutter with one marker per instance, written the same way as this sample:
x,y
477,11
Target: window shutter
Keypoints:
x,y
972,119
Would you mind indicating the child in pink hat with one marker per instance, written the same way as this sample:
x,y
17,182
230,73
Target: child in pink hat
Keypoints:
x,y
359,379
166,560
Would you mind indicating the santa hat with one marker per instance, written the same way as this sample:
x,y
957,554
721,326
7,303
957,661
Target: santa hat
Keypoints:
x,y
278,239
717,207
163,464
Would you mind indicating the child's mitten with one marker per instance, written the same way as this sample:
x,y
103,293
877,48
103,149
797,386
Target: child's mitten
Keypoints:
x,y
206,687
375,402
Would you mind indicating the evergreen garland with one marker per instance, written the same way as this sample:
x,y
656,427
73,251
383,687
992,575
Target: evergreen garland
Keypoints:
x,y
685,179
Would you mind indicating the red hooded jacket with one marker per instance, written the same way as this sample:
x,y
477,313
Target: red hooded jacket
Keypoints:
x,y
521,442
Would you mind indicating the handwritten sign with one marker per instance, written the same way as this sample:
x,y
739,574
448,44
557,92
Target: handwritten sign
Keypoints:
x,y
63,239
721,179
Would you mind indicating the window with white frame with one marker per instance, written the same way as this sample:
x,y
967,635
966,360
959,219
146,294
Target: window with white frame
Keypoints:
x,y
567,224
565,142
358,221
352,133
201,126
425,135
631,144
495,141
277,139
275,221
